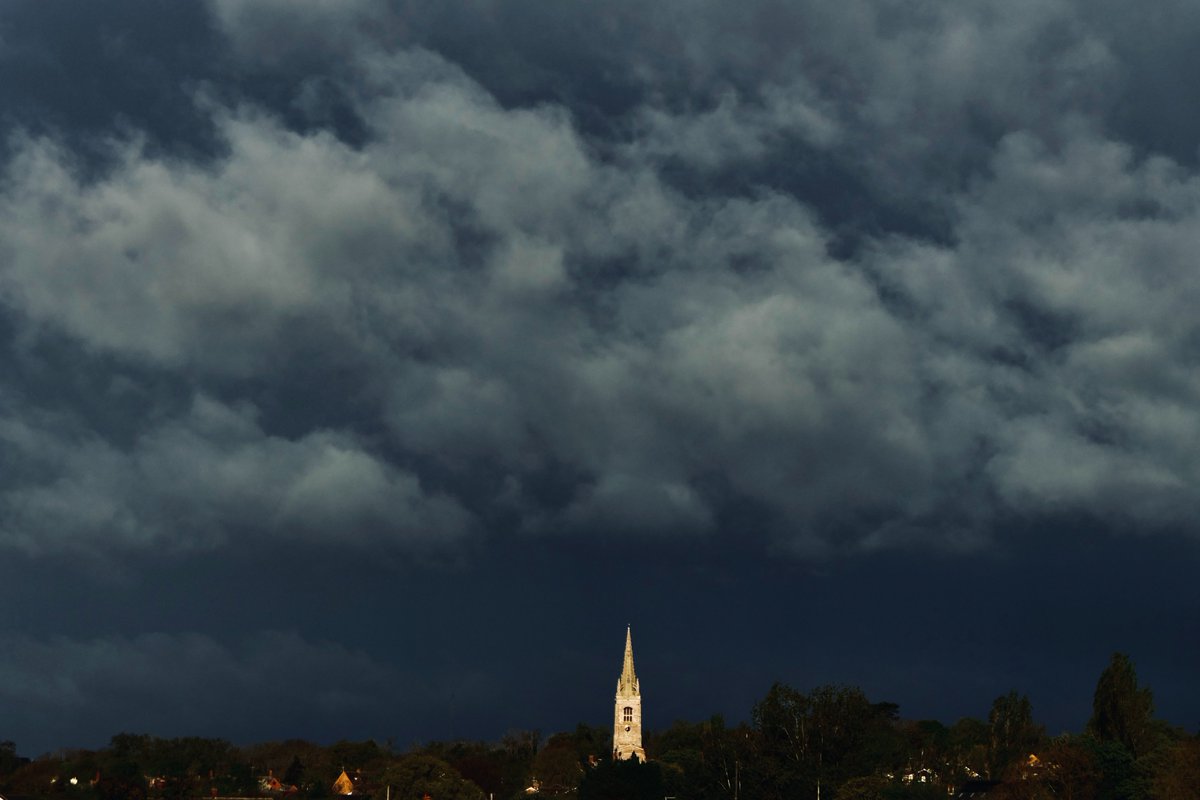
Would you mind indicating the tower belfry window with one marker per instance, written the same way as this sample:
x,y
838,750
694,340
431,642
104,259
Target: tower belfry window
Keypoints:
x,y
629,713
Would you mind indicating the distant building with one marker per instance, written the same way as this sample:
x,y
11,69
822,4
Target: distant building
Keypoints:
x,y
627,718
343,785
269,783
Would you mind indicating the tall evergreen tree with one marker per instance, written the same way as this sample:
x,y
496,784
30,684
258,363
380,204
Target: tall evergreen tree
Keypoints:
x,y
1122,712
294,775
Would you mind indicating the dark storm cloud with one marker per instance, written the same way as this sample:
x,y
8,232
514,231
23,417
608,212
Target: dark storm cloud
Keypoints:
x,y
276,31
918,93
512,296
90,688
81,69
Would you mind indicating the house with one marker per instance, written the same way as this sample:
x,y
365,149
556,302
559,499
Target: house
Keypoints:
x,y
343,785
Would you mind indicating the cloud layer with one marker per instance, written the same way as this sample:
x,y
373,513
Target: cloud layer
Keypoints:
x,y
888,277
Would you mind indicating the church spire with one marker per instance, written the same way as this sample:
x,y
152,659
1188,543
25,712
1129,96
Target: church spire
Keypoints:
x,y
627,717
628,679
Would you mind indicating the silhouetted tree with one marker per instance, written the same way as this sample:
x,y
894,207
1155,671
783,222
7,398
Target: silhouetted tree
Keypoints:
x,y
812,743
9,760
1012,733
1070,769
968,749
622,780
708,761
1177,775
121,787
557,769
781,720
1121,711
1119,775
294,774
413,776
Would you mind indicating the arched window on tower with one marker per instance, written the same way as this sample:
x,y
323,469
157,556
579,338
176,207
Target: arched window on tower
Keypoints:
x,y
629,713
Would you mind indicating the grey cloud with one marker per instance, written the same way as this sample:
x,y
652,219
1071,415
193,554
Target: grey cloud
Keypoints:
x,y
184,265
875,114
515,299
913,96
732,302
907,101
1069,294
733,131
194,482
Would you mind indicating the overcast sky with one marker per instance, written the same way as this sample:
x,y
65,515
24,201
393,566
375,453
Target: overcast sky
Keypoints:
x,y
367,366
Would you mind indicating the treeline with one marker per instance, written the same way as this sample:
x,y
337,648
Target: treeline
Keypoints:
x,y
835,743
832,742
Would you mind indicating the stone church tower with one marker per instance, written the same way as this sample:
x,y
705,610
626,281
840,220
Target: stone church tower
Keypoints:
x,y
627,719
